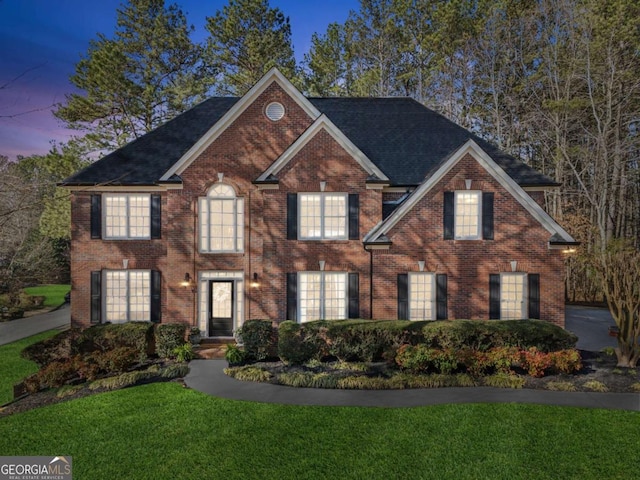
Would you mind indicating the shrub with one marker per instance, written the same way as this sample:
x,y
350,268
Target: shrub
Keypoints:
x,y
184,353
596,386
504,380
484,335
293,346
363,383
248,373
56,348
259,339
559,386
137,335
417,359
56,374
566,361
168,337
174,371
535,362
234,355
118,360
502,359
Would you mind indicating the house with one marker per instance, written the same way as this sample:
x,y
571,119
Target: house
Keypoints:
x,y
277,206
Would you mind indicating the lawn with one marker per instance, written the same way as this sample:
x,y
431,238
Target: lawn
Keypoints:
x,y
54,294
164,430
13,367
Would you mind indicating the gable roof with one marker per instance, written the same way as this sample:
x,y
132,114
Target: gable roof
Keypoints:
x,y
322,123
403,139
559,236
145,160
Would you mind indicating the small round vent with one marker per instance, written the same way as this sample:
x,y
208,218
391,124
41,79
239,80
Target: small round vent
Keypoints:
x,y
274,111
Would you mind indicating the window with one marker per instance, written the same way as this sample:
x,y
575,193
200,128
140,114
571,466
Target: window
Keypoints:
x,y
513,296
467,216
422,296
127,295
323,216
221,221
322,296
127,216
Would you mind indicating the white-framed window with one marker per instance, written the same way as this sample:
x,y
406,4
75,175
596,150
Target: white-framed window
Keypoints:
x,y
127,295
513,296
323,216
322,296
221,221
127,216
422,296
468,215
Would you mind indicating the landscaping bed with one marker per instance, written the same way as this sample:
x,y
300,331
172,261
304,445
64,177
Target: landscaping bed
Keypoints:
x,y
598,374
397,355
76,363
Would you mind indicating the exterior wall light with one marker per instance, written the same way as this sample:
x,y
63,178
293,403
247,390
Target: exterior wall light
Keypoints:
x,y
255,283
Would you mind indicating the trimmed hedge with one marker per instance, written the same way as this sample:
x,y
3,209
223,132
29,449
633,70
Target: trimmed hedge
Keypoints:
x,y
259,339
367,340
169,336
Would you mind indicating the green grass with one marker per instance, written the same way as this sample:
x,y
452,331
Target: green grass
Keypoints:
x,y
164,431
54,294
13,367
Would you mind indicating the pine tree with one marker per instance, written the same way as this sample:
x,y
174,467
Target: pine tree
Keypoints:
x,y
246,39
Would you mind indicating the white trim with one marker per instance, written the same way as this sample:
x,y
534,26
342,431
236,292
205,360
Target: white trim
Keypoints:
x,y
456,229
524,309
322,295
127,216
322,123
232,115
203,297
323,196
432,294
124,188
472,148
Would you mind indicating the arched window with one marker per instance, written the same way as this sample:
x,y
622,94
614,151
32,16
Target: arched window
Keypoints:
x,y
221,220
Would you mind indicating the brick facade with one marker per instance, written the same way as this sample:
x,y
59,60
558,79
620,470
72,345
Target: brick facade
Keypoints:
x,y
239,155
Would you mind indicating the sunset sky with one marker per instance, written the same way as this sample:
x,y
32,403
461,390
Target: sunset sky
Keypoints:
x,y
42,40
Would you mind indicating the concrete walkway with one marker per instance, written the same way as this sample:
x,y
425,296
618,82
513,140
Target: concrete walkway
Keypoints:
x,y
590,324
207,376
25,327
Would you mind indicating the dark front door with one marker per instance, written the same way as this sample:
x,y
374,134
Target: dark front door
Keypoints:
x,y
221,301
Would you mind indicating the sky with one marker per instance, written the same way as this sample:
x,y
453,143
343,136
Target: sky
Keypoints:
x,y
42,40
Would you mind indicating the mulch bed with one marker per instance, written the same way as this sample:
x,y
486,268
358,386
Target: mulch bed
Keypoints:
x,y
596,367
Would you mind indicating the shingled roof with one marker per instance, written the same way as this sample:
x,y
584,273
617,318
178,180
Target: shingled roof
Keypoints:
x,y
404,139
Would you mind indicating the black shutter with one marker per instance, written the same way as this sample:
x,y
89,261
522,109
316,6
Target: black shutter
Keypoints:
x,y
292,216
534,295
96,296
354,216
448,215
96,216
156,216
487,215
494,296
354,295
292,296
441,297
156,308
403,296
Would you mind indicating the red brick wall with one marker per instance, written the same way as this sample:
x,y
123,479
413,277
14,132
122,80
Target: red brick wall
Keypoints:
x,y
468,263
242,152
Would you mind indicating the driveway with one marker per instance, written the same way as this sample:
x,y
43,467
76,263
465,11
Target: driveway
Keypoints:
x,y
591,325
25,327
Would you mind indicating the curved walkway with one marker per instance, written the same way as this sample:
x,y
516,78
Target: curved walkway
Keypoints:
x,y
207,376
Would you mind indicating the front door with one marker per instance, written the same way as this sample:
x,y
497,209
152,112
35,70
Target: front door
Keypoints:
x,y
221,301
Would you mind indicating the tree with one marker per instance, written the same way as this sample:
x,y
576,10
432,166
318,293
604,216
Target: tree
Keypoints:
x,y
142,77
246,39
619,268
326,64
